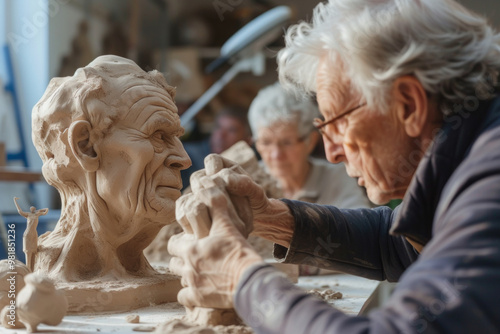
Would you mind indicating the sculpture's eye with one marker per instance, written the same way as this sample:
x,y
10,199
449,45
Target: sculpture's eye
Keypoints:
x,y
158,135
160,140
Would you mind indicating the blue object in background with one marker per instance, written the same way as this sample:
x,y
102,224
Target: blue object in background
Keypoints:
x,y
10,87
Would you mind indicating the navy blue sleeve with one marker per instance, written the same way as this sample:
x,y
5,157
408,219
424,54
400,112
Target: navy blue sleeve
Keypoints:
x,y
269,303
354,241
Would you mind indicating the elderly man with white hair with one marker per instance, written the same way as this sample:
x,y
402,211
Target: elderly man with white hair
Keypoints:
x,y
409,94
284,135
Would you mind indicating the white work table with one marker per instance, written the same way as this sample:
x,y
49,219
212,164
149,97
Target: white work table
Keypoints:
x,y
355,291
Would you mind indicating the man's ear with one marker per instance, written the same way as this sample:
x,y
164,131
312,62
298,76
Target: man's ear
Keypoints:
x,y
82,146
411,104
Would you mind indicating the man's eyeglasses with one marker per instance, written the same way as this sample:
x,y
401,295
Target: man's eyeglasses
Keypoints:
x,y
319,124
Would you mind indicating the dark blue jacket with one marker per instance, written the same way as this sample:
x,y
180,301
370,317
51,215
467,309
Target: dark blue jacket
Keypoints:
x,y
452,206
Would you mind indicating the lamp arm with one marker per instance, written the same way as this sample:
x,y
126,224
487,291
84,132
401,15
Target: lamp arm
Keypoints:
x,y
256,64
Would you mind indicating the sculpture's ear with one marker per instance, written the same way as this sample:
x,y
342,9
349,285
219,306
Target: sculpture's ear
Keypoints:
x,y
82,145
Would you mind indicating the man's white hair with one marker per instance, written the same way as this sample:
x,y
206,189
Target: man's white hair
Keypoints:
x,y
273,105
453,52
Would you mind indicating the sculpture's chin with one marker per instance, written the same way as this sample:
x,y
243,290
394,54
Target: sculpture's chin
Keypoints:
x,y
164,198
162,209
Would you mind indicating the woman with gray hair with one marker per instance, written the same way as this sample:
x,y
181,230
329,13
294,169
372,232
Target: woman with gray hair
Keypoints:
x,y
283,131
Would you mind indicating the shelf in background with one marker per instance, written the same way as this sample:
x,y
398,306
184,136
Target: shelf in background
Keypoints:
x,y
18,174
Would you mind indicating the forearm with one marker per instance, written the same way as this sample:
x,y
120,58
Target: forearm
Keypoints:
x,y
351,241
422,303
275,224
268,302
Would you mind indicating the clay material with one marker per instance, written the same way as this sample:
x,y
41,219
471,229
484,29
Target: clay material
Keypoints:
x,y
145,329
109,140
120,296
132,318
40,303
4,300
212,317
12,273
30,236
243,154
180,326
326,295
9,320
157,250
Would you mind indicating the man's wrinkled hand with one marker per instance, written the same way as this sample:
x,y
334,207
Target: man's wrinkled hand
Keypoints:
x,y
237,183
212,261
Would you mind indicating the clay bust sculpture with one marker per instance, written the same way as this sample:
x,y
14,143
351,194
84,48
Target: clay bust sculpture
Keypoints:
x,y
30,236
109,140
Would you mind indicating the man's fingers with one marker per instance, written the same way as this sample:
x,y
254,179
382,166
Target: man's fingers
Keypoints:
x,y
214,163
189,297
176,265
237,183
199,219
194,179
242,216
182,207
224,216
179,244
243,185
238,169
192,210
192,213
220,208
188,278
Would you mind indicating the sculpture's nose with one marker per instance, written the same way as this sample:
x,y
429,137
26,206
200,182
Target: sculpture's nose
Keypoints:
x,y
179,160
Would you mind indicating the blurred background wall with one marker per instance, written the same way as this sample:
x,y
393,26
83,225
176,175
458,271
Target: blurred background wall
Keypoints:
x,y
50,38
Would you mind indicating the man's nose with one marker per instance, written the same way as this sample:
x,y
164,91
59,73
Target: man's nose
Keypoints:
x,y
334,151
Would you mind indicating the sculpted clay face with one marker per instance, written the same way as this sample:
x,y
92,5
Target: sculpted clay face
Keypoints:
x,y
109,140
141,159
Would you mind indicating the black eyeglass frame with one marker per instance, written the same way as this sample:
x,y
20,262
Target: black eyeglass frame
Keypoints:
x,y
319,124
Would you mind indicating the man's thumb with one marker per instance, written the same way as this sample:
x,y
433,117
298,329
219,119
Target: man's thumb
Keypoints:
x,y
224,216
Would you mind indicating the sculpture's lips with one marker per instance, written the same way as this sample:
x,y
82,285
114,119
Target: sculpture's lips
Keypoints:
x,y
169,191
178,187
